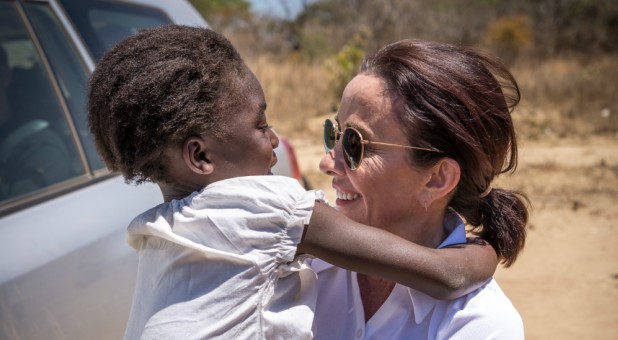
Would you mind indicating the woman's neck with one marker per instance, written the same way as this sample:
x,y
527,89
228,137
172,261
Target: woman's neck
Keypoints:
x,y
426,229
374,291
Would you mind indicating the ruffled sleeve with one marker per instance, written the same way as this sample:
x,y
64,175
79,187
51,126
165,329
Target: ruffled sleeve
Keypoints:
x,y
259,216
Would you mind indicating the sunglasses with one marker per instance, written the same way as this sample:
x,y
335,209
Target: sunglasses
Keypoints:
x,y
354,144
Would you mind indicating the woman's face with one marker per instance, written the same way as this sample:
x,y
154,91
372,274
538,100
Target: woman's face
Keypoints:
x,y
384,191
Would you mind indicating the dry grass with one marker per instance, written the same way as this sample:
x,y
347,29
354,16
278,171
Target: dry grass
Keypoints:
x,y
295,92
561,98
568,98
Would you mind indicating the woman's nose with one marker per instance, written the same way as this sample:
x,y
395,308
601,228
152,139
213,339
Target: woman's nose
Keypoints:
x,y
330,165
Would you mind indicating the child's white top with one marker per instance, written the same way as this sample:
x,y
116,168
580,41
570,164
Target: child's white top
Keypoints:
x,y
220,263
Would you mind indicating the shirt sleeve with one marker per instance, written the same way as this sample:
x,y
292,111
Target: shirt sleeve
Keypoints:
x,y
262,217
489,316
498,327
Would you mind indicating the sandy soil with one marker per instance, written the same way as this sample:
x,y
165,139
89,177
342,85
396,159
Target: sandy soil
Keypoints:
x,y
565,283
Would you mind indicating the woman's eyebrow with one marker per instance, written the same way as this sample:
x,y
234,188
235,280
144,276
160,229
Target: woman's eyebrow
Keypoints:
x,y
354,125
360,128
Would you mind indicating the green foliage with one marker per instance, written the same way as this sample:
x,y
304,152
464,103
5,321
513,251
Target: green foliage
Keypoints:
x,y
344,65
511,28
315,45
489,3
223,9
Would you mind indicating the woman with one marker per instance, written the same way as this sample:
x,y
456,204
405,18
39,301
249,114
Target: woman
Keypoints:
x,y
419,136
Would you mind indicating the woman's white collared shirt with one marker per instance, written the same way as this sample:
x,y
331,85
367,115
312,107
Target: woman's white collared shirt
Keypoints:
x,y
220,264
485,313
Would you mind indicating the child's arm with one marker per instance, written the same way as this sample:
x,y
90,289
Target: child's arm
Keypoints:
x,y
445,273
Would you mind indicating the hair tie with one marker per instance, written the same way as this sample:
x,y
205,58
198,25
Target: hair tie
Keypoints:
x,y
486,192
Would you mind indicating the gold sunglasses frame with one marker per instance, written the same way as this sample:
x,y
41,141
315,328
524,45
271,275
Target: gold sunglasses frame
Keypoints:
x,y
339,133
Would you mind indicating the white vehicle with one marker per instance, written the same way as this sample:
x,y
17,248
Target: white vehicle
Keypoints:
x,y
66,271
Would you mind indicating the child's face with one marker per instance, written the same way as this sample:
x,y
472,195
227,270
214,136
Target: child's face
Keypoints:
x,y
249,148
246,151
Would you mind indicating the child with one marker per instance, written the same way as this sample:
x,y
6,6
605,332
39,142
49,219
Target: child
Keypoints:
x,y
222,257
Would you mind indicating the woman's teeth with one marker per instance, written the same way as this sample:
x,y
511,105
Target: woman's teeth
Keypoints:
x,y
346,197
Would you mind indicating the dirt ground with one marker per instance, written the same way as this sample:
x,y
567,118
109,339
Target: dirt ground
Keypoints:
x,y
565,283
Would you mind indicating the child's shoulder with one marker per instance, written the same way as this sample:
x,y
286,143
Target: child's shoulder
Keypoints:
x,y
255,186
259,182
256,194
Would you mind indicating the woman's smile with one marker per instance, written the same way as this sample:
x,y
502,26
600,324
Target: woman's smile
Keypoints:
x,y
347,196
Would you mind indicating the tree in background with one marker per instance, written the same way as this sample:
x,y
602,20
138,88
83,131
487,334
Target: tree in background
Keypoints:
x,y
565,50
344,65
224,15
509,36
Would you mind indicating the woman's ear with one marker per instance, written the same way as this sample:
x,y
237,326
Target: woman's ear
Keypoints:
x,y
196,155
444,178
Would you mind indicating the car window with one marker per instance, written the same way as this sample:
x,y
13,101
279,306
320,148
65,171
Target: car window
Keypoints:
x,y
102,24
71,73
37,149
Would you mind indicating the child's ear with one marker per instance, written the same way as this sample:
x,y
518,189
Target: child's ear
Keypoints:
x,y
444,178
195,153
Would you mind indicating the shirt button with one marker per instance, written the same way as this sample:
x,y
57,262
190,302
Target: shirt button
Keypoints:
x,y
359,333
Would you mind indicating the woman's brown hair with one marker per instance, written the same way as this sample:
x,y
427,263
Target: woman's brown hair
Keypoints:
x,y
459,101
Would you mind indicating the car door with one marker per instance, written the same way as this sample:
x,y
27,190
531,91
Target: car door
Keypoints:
x,y
66,271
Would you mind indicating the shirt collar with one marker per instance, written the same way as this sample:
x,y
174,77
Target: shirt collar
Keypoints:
x,y
455,228
421,303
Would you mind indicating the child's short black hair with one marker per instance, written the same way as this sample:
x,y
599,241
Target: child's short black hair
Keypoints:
x,y
155,89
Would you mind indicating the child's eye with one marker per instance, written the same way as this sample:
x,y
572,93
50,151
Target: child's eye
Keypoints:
x,y
266,127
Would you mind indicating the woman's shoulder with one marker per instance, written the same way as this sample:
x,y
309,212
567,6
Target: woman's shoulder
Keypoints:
x,y
485,313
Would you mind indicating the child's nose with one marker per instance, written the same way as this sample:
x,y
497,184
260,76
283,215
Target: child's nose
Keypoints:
x,y
274,140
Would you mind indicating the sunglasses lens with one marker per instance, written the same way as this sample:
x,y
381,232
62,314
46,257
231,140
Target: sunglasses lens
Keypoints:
x,y
329,135
353,148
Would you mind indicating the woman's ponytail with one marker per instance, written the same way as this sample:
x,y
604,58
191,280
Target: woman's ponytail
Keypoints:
x,y
504,215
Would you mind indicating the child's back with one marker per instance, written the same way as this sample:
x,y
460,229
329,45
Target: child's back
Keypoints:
x,y
221,263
